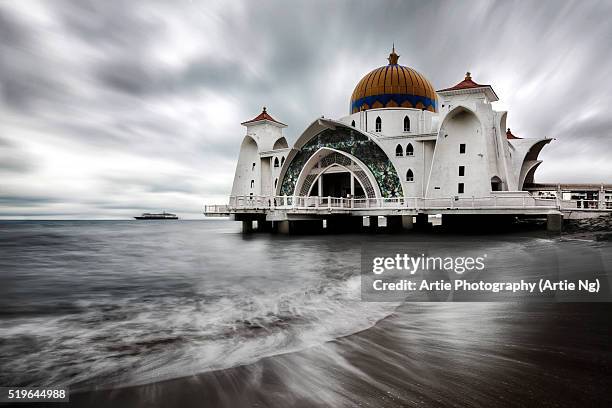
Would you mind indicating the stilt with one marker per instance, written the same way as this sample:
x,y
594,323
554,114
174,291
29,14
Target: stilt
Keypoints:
x,y
247,226
373,223
407,222
422,222
394,223
284,227
554,222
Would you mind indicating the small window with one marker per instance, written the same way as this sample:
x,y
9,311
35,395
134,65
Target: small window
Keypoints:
x,y
252,183
253,168
460,188
462,170
462,148
409,175
409,150
282,160
276,162
399,152
406,124
275,182
353,123
378,124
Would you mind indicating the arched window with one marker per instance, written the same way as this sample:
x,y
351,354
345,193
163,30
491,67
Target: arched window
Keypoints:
x,y
378,124
496,184
406,124
409,175
283,160
353,123
399,152
252,183
409,150
276,162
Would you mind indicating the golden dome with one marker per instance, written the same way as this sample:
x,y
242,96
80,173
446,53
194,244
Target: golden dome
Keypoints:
x,y
393,85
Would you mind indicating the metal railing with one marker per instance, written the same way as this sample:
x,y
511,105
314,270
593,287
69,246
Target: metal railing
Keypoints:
x,y
317,202
505,201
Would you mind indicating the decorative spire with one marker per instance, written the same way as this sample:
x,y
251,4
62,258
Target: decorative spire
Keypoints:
x,y
468,76
509,135
393,57
264,110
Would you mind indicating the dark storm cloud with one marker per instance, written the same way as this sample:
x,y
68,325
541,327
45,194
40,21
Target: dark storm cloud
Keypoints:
x,y
117,105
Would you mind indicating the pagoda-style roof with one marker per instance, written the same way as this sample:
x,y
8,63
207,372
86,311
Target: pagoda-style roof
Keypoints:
x,y
469,84
264,115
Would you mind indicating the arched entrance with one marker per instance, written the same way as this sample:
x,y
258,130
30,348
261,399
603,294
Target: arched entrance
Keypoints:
x,y
332,173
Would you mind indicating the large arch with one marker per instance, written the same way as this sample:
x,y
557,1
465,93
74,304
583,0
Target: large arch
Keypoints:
x,y
341,137
502,122
281,143
329,158
456,111
531,163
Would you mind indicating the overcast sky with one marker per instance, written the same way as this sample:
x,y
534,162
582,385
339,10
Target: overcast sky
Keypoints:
x,y
112,108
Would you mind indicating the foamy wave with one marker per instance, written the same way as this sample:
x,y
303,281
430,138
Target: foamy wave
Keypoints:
x,y
138,341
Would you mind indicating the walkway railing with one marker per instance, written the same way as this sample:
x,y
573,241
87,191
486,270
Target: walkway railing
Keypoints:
x,y
502,201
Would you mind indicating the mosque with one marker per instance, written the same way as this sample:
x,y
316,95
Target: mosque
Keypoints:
x,y
403,145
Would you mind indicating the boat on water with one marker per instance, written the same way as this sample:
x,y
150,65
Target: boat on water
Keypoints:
x,y
157,216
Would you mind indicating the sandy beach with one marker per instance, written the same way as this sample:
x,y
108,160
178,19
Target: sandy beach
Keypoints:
x,y
434,355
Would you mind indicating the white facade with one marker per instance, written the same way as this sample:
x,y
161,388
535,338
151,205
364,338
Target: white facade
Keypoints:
x,y
460,150
262,154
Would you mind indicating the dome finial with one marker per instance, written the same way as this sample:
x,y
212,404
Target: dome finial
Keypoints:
x,y
468,76
393,57
264,109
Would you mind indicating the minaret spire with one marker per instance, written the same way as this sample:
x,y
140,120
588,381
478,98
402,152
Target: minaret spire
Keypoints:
x,y
393,57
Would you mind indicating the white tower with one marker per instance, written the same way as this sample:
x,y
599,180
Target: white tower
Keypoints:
x,y
262,151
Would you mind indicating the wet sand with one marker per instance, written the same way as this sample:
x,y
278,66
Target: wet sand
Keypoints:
x,y
425,355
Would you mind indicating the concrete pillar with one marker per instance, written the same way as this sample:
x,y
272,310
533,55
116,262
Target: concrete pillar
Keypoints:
x,y
554,222
352,185
394,223
407,222
284,227
373,223
247,226
320,186
422,221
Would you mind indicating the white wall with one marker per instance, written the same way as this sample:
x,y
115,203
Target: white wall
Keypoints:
x,y
258,147
461,126
392,121
249,154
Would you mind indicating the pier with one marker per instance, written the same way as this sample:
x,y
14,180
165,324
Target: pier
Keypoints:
x,y
289,214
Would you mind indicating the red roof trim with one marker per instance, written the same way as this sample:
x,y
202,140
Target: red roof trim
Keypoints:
x,y
263,116
467,83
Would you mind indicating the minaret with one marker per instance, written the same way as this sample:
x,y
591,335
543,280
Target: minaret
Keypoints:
x,y
254,169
